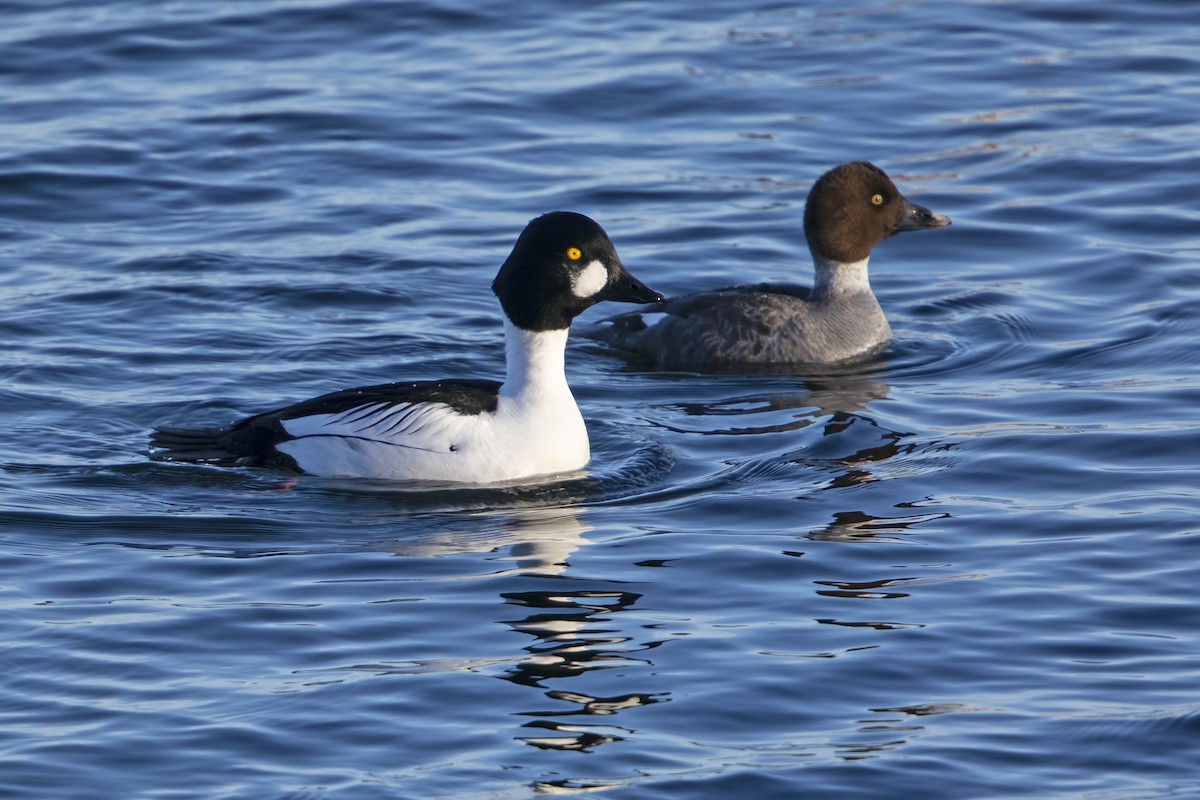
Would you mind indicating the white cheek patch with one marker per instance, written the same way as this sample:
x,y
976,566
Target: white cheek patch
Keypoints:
x,y
589,280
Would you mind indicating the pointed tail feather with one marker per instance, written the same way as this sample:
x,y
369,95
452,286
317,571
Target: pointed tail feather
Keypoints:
x,y
192,445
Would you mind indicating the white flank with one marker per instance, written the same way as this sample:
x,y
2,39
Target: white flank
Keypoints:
x,y
589,280
536,428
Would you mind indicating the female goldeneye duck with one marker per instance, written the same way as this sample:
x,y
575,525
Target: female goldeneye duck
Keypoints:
x,y
850,209
460,431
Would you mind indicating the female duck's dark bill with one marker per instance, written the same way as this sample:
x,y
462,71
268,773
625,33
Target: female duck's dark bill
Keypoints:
x,y
916,217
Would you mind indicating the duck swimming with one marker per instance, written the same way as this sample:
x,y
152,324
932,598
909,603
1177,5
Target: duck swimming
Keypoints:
x,y
850,209
461,431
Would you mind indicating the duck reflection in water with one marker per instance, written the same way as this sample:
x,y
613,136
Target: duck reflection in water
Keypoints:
x,y
573,629
533,541
832,396
574,634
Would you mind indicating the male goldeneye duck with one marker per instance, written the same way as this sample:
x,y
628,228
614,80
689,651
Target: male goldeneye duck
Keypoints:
x,y
850,209
461,431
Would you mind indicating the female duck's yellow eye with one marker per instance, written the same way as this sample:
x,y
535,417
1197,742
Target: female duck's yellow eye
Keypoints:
x,y
574,253
877,200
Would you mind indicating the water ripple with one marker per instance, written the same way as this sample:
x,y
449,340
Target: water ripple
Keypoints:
x,y
962,568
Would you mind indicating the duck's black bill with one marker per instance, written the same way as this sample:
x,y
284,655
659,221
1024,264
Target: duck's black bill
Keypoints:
x,y
627,289
919,218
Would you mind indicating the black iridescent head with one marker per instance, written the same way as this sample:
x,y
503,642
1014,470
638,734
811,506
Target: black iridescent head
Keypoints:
x,y
562,264
854,207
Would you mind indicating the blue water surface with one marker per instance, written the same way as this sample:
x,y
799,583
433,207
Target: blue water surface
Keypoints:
x,y
965,569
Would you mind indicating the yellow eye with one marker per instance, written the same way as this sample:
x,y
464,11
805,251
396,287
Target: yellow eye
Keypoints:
x,y
877,200
574,253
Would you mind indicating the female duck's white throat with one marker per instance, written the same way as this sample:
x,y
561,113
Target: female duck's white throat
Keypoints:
x,y
835,279
535,362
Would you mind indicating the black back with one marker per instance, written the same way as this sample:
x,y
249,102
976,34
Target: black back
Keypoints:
x,y
468,397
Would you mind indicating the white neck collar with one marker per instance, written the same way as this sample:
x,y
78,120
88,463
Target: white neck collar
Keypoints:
x,y
834,278
534,360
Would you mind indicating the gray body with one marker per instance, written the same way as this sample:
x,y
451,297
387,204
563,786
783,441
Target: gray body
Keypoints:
x,y
761,324
850,209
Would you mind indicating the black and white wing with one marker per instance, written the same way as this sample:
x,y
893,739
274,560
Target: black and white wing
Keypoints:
x,y
418,416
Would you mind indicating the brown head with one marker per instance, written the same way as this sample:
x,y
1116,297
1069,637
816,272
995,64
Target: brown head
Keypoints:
x,y
855,206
